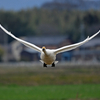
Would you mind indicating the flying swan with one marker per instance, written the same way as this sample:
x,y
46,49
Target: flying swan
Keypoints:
x,y
48,56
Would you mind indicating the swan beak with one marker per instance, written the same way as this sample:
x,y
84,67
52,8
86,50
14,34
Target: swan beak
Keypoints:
x,y
43,48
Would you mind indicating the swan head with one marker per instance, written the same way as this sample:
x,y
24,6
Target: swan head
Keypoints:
x,y
43,49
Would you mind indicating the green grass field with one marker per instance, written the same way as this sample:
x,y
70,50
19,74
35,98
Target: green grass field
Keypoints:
x,y
60,83
51,92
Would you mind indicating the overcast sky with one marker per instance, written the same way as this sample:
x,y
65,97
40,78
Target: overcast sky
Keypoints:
x,y
21,4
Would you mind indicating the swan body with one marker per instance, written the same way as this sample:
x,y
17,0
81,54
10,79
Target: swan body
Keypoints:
x,y
48,56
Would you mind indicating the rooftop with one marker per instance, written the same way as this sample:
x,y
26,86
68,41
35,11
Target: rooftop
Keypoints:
x,y
46,40
92,43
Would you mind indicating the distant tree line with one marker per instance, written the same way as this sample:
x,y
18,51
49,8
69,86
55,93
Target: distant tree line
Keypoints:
x,y
50,22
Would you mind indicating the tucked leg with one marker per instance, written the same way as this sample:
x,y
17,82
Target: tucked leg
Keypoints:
x,y
53,65
44,65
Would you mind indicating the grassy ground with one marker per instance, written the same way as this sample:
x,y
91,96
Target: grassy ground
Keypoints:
x,y
51,92
60,83
47,76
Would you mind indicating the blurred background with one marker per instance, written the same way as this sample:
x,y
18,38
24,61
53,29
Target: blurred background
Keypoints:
x,y
51,23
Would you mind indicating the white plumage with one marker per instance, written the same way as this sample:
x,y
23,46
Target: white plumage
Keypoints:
x,y
48,56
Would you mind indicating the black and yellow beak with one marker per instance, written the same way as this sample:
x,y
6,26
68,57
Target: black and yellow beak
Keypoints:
x,y
43,48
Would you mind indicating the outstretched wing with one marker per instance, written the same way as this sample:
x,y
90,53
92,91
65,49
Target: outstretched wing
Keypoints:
x,y
22,41
73,46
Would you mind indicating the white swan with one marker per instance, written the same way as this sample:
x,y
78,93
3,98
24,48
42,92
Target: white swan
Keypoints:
x,y
48,56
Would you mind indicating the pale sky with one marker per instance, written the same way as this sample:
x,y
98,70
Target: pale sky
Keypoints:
x,y
21,4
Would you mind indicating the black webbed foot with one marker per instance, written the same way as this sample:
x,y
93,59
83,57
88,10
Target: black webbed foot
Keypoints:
x,y
53,65
44,65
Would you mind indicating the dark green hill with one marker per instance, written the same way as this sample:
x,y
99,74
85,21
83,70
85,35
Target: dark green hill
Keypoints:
x,y
50,22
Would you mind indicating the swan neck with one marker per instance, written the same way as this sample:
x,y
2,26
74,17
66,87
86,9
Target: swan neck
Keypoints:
x,y
45,52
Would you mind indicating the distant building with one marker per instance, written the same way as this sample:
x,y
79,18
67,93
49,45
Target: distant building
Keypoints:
x,y
21,52
16,51
51,42
90,51
29,55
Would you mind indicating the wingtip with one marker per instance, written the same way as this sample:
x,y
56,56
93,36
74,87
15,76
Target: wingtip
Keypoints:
x,y
98,31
